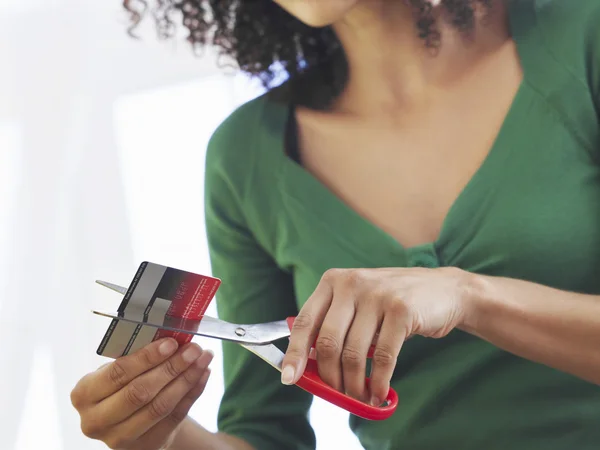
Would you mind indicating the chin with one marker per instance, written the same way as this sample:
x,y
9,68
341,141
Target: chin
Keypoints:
x,y
318,13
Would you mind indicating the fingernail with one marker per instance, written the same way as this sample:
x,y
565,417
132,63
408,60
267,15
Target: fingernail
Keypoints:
x,y
191,354
287,375
167,347
375,401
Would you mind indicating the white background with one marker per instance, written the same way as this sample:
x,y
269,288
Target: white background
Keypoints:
x,y
97,132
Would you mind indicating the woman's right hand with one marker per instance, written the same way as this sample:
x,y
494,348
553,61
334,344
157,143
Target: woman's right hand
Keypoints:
x,y
138,401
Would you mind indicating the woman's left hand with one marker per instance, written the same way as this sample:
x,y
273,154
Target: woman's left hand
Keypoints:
x,y
353,308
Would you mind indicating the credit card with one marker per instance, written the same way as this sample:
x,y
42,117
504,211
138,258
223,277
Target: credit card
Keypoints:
x,y
158,294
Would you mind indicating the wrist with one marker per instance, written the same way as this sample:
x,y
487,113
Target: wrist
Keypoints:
x,y
178,438
476,299
192,436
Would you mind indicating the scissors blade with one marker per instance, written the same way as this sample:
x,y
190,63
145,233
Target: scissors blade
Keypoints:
x,y
114,287
206,327
269,331
268,353
262,333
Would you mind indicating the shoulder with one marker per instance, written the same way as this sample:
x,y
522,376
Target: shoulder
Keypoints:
x,y
243,164
246,140
570,29
235,136
563,60
569,13
571,32
560,49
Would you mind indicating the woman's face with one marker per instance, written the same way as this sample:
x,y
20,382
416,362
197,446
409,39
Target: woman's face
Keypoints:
x,y
318,13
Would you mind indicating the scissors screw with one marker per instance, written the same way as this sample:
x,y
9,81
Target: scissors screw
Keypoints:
x,y
240,331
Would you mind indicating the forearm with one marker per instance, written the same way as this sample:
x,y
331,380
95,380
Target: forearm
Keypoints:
x,y
556,328
192,436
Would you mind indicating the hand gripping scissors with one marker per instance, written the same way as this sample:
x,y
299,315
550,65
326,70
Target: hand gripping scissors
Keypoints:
x,y
258,339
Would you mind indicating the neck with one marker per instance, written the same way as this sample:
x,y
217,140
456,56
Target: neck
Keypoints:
x,y
391,68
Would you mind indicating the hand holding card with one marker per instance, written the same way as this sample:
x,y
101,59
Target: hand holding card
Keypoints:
x,y
138,400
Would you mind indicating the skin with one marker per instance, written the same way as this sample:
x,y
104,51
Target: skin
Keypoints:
x,y
397,93
141,401
390,107
318,13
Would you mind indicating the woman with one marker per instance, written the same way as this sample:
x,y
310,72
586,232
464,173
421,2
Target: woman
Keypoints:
x,y
428,171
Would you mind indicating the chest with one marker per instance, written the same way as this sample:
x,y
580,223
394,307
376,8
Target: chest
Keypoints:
x,y
405,176
530,211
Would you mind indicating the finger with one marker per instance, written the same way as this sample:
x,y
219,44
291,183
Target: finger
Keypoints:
x,y
304,332
354,354
330,342
183,407
391,338
165,404
165,427
112,377
142,390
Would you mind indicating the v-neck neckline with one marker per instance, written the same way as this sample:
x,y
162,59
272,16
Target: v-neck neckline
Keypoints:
x,y
370,240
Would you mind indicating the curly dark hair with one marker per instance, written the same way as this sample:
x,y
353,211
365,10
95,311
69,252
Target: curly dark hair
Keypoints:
x,y
264,40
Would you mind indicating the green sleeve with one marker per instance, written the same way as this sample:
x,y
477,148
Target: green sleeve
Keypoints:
x,y
256,406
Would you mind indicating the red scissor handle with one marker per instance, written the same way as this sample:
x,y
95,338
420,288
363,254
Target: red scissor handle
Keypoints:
x,y
311,382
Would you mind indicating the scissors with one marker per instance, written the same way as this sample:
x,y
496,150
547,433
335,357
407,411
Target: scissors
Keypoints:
x,y
258,339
